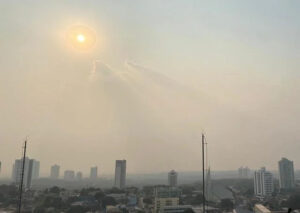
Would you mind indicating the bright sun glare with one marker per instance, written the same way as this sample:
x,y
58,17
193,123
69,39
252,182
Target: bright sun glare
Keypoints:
x,y
80,38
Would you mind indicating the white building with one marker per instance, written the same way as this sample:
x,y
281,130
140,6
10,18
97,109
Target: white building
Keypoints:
x,y
258,208
263,183
120,174
54,173
286,174
31,171
172,178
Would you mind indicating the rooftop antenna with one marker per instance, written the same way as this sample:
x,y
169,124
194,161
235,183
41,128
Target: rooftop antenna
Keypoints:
x,y
22,178
203,171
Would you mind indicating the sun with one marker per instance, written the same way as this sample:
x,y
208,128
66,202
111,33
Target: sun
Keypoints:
x,y
80,38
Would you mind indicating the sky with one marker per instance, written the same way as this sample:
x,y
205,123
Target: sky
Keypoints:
x,y
160,73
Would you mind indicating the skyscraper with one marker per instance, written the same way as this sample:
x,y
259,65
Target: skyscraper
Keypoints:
x,y
172,178
286,174
94,173
35,169
31,171
263,183
79,176
120,174
54,173
244,172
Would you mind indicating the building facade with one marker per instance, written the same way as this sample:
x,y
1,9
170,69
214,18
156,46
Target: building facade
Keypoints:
x,y
31,171
172,178
263,183
286,174
54,173
79,176
244,172
94,173
165,197
120,174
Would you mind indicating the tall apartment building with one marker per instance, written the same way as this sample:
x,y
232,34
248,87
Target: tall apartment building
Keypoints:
x,y
94,173
172,178
120,174
79,176
244,172
54,173
286,174
263,183
31,171
165,197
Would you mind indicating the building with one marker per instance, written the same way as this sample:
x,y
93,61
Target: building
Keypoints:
x,y
172,178
69,175
263,183
31,171
94,173
286,174
35,169
165,197
120,174
79,176
244,172
177,209
54,173
258,208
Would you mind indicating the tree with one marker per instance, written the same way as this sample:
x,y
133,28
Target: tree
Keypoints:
x,y
99,195
226,204
294,201
54,190
108,201
189,210
77,209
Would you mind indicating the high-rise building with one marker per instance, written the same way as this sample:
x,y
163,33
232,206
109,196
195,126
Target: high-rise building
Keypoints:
x,y
172,178
165,197
35,169
244,172
69,175
286,174
54,173
94,173
120,174
263,183
31,171
79,176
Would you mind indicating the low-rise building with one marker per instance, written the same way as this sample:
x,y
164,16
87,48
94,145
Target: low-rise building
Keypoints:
x,y
259,208
165,197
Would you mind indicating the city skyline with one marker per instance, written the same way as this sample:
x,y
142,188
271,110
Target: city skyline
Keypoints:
x,y
92,172
228,69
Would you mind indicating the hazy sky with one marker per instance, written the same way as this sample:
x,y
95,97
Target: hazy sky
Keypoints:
x,y
161,72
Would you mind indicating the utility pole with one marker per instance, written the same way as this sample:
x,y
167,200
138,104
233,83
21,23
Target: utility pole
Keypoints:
x,y
203,171
22,178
